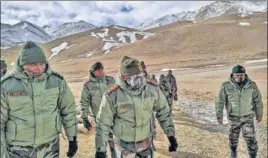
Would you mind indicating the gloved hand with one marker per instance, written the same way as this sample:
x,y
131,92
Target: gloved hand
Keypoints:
x,y
170,95
72,147
86,123
219,120
100,155
173,144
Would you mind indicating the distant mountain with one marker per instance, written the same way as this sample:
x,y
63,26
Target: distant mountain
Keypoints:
x,y
68,29
218,8
4,26
22,31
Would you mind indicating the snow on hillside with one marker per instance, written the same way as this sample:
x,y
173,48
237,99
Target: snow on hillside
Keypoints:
x,y
244,24
122,36
69,29
214,9
21,32
58,49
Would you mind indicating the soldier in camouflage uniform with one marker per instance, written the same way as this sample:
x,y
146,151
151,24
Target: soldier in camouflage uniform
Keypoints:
x,y
166,90
242,100
35,103
92,92
172,81
154,79
145,73
127,106
3,68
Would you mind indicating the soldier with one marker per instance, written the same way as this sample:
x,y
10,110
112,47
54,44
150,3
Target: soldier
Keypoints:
x,y
35,103
172,81
145,73
153,78
127,106
92,92
243,101
166,90
3,68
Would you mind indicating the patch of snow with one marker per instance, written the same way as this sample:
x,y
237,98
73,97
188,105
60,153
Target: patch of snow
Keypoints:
x,y
24,26
94,35
214,65
166,69
12,63
89,55
174,69
104,34
3,47
57,50
64,61
186,68
244,24
108,40
265,22
70,46
109,45
194,22
120,28
106,52
132,36
257,61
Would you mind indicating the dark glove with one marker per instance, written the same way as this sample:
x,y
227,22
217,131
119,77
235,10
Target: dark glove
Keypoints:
x,y
176,97
173,144
87,125
170,95
100,155
72,148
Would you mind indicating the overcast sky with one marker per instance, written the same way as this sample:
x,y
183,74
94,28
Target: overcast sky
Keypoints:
x,y
126,13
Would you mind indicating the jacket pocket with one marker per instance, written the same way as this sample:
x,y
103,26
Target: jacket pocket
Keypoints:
x,y
11,131
51,98
117,130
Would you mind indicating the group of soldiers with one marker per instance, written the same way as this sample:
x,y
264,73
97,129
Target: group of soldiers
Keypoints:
x,y
37,101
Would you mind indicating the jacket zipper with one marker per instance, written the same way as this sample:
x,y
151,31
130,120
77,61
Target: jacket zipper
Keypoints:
x,y
134,122
34,114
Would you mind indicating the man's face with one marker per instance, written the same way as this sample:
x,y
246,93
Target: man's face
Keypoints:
x,y
3,71
169,72
37,69
239,77
98,73
135,81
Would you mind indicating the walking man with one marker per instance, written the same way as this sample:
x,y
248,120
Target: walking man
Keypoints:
x,y
242,100
35,103
128,108
92,92
172,81
3,69
166,90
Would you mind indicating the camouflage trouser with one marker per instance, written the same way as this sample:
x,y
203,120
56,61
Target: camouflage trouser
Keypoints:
x,y
48,150
170,102
141,149
112,145
248,129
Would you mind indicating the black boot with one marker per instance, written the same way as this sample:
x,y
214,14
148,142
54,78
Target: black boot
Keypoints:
x,y
233,153
252,155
